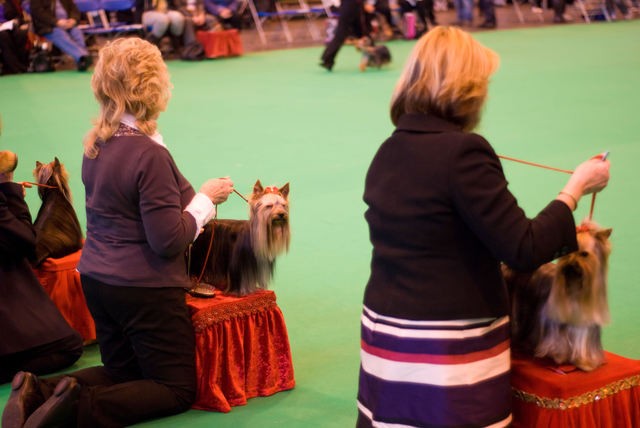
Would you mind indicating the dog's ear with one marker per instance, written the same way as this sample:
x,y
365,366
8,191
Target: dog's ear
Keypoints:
x,y
284,191
38,164
56,164
603,234
257,188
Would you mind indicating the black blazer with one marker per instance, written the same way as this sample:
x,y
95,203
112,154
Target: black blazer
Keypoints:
x,y
441,219
28,317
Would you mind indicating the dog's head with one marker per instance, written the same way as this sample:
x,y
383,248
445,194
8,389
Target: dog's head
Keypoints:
x,y
269,219
52,174
579,292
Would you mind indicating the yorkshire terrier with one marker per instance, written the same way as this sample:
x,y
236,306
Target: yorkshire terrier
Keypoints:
x,y
58,231
372,55
238,256
559,309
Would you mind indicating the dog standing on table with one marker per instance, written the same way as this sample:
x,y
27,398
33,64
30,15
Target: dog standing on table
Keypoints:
x,y
559,309
239,255
372,55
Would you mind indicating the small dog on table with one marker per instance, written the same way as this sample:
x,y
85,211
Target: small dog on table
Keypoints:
x,y
238,256
372,55
559,309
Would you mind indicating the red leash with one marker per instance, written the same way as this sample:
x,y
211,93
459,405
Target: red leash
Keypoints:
x,y
566,171
29,184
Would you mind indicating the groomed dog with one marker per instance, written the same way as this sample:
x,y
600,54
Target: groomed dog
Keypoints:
x,y
374,56
239,255
58,231
559,309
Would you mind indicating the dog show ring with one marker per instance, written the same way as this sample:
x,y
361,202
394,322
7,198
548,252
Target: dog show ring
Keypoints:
x,y
242,349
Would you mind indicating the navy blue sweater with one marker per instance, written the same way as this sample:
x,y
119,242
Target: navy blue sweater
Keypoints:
x,y
137,231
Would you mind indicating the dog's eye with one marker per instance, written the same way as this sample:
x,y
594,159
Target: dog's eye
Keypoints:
x,y
584,254
269,206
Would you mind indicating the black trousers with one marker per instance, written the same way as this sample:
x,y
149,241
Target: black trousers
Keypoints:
x,y
350,21
147,346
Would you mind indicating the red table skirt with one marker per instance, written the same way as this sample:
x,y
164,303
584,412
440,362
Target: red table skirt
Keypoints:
x,y
220,43
242,349
61,281
564,397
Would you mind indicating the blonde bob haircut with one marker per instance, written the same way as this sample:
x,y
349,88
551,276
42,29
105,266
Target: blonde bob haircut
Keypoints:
x,y
447,75
129,77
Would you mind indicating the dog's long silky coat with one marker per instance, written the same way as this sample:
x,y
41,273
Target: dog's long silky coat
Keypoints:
x,y
243,252
559,309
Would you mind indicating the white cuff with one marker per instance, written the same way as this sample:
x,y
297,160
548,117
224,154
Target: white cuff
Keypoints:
x,y
202,209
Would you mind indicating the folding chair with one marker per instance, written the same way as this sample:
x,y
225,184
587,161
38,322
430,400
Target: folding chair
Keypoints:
x,y
282,11
592,8
291,9
99,23
520,15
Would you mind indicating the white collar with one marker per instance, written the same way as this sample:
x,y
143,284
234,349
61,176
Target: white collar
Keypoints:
x,y
130,121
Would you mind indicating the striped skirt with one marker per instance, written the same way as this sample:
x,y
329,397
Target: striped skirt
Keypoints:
x,y
434,373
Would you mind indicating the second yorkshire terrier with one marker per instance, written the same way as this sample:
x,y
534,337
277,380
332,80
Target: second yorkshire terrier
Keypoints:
x,y
239,255
58,231
372,55
559,309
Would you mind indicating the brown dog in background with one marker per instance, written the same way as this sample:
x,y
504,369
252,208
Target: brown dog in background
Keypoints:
x,y
374,56
559,309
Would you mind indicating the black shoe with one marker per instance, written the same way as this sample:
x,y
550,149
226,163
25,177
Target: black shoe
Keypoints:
x,y
326,64
24,399
84,63
58,409
487,24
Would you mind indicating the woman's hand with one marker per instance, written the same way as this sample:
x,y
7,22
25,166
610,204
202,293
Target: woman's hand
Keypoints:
x,y
589,177
217,189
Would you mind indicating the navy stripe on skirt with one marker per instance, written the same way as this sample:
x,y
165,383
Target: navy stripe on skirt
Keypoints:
x,y
434,373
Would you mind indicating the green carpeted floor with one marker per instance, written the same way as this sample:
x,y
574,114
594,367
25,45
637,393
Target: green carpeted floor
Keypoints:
x,y
562,94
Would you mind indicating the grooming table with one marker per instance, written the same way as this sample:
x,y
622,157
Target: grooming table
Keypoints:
x,y
61,281
547,396
242,349
218,44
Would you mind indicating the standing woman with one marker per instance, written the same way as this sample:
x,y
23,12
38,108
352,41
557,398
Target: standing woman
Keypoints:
x,y
141,216
435,325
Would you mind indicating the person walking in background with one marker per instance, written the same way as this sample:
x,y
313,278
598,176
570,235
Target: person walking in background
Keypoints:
x,y
35,336
142,214
435,324
351,21
57,21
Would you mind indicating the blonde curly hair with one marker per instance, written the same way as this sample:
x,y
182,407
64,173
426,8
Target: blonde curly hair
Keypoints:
x,y
447,75
129,77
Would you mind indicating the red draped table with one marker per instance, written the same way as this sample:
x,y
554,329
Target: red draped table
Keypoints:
x,y
219,44
242,349
562,397
61,281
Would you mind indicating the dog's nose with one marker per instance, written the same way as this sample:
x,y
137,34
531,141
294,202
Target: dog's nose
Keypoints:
x,y
572,271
